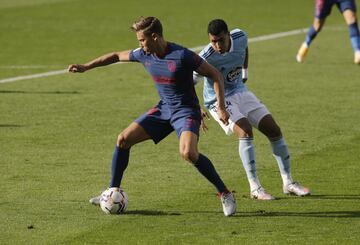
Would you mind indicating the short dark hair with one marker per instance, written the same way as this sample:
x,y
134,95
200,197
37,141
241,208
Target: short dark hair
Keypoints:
x,y
148,25
217,26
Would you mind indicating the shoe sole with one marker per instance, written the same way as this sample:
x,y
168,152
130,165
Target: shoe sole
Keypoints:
x,y
94,203
294,194
261,199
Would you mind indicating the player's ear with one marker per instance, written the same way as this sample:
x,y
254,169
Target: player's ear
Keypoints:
x,y
154,36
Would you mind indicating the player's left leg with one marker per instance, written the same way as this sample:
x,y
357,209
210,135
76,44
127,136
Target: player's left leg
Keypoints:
x,y
314,29
351,20
271,130
322,10
240,126
268,127
189,151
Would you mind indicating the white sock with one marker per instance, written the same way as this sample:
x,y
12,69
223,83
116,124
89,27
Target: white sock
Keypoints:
x,y
281,154
254,184
247,155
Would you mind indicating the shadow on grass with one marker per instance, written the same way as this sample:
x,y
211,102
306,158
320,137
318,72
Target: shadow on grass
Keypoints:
x,y
326,197
37,92
344,197
11,126
151,213
325,214
264,213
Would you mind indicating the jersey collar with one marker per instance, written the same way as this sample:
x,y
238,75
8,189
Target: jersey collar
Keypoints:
x,y
231,44
231,47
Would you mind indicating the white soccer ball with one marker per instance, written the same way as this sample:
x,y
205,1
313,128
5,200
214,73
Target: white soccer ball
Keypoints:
x,y
114,201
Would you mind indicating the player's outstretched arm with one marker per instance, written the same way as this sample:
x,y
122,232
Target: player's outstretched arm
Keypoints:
x,y
207,70
104,60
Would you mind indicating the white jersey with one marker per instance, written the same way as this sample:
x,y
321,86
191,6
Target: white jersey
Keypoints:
x,y
229,64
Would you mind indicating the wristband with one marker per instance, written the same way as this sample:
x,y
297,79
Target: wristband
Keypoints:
x,y
244,74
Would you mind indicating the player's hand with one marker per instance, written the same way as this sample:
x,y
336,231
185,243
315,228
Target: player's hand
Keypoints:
x,y
77,68
204,115
223,115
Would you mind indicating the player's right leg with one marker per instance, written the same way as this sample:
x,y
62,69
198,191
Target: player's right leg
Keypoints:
x,y
243,130
132,135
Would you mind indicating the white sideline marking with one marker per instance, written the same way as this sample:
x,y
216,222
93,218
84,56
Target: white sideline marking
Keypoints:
x,y
45,74
195,49
267,37
30,66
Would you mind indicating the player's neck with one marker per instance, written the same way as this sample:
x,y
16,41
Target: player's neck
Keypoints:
x,y
162,48
228,45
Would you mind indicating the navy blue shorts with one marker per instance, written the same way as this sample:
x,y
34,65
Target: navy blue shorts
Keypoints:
x,y
323,7
159,121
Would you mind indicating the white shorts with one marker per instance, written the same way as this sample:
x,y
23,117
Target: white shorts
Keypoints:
x,y
240,105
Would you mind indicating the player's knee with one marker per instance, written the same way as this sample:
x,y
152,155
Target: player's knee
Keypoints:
x,y
275,132
350,17
122,141
189,156
247,132
243,130
318,24
318,28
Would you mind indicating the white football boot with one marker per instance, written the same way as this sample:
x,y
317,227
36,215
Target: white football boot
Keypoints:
x,y
95,200
304,49
296,189
261,194
228,203
357,58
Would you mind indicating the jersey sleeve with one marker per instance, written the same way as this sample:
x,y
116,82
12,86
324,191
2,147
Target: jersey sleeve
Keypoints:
x,y
135,55
192,60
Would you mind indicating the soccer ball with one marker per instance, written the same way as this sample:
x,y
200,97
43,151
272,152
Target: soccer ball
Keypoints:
x,y
113,201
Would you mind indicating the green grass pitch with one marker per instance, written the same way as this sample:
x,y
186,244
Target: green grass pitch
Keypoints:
x,y
57,133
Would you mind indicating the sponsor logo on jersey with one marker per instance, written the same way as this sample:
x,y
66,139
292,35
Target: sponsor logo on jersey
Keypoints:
x,y
234,74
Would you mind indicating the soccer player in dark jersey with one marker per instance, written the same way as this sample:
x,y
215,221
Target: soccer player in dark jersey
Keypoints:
x,y
323,10
171,67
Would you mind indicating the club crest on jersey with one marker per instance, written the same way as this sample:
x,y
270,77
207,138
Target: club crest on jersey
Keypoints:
x,y
171,65
234,74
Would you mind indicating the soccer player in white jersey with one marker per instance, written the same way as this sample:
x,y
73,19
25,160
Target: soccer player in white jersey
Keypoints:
x,y
228,52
